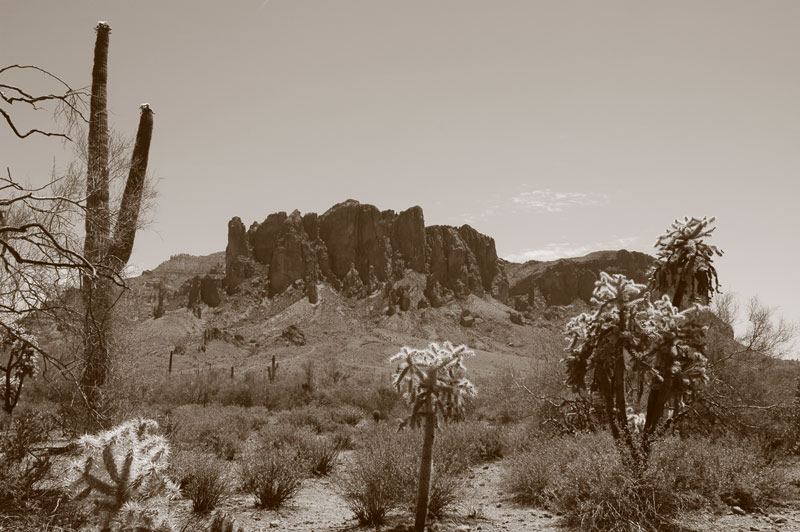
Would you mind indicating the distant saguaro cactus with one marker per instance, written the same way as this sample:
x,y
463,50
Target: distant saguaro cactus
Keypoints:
x,y
434,383
272,370
124,467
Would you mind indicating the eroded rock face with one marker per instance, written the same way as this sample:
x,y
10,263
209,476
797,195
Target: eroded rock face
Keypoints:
x,y
354,239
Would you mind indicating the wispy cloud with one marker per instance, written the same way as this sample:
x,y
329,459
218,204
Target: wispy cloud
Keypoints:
x,y
548,200
560,250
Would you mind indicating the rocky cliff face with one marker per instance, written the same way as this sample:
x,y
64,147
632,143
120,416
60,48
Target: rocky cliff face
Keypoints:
x,y
354,239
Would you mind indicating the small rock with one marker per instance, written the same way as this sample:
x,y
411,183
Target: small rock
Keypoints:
x,y
737,510
274,524
499,505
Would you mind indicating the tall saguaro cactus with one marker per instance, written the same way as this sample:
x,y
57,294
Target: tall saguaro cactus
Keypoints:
x,y
108,250
434,383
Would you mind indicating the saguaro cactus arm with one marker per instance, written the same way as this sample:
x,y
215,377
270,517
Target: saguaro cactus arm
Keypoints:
x,y
130,206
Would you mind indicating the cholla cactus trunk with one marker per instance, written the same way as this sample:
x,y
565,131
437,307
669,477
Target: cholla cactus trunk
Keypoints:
x,y
426,462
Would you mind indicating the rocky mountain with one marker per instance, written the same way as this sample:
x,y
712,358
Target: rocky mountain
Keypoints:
x,y
358,282
357,248
560,282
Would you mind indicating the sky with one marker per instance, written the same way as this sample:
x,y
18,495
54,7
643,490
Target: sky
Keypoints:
x,y
557,127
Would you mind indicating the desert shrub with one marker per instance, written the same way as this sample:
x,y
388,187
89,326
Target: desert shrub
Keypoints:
x,y
715,472
223,522
319,453
589,479
375,483
473,442
533,473
585,478
346,415
22,464
312,416
221,430
383,475
274,477
278,436
344,438
322,455
205,482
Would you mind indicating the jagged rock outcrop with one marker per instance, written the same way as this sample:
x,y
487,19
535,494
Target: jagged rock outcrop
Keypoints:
x,y
563,281
357,240
238,264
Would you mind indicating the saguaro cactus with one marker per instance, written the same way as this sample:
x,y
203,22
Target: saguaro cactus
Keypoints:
x,y
434,383
108,251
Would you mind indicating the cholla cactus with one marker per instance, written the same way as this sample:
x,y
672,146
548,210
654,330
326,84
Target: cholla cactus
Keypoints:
x,y
684,262
22,352
434,383
627,338
124,467
599,340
